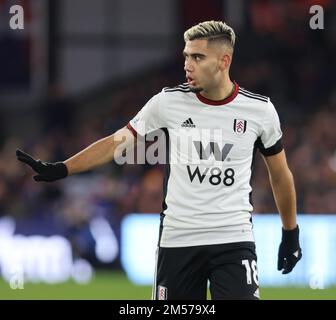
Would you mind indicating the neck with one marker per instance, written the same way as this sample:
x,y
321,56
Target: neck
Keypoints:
x,y
224,90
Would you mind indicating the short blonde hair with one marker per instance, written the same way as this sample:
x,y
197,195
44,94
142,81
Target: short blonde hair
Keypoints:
x,y
212,31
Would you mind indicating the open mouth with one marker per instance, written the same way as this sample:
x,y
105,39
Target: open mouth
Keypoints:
x,y
191,81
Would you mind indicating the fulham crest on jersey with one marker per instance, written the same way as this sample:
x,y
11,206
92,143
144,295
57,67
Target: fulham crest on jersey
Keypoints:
x,y
239,126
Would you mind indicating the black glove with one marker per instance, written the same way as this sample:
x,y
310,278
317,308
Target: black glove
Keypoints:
x,y
46,171
289,251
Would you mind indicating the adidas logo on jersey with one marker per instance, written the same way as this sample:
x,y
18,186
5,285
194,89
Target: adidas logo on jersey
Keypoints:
x,y
188,124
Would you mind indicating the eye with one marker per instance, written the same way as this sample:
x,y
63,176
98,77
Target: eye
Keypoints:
x,y
198,58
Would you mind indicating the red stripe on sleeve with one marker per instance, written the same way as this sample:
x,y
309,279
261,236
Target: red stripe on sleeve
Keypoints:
x,y
132,129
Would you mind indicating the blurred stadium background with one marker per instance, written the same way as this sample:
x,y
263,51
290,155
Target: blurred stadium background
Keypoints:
x,y
80,69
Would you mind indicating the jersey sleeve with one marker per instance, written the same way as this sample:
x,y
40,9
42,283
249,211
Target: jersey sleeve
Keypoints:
x,y
270,140
149,118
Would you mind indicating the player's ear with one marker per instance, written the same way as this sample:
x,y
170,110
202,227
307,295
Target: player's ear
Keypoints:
x,y
225,61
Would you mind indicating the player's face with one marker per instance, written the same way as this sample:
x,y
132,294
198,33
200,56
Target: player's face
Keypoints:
x,y
203,65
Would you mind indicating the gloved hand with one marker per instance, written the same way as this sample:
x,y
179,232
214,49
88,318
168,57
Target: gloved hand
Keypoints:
x,y
46,171
289,250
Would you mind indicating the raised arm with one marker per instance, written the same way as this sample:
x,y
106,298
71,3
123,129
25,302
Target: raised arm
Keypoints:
x,y
95,155
100,152
282,183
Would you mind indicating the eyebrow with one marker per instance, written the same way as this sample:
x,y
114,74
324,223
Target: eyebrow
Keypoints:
x,y
185,54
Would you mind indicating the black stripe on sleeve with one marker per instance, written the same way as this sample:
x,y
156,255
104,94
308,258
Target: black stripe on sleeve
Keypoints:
x,y
252,93
177,90
252,97
271,151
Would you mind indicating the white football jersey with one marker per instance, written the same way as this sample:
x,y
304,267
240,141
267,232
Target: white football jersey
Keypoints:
x,y
210,152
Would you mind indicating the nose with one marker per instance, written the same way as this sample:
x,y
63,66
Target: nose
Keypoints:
x,y
187,65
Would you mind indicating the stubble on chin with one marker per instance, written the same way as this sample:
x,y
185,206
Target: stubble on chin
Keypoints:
x,y
195,89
